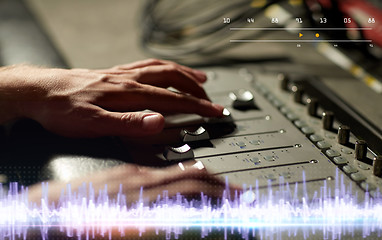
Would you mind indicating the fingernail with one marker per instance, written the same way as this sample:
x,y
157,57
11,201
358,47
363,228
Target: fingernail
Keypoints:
x,y
151,122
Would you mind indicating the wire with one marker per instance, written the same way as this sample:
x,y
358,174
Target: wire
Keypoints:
x,y
176,30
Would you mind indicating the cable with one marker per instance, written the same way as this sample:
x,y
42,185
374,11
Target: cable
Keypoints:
x,y
176,30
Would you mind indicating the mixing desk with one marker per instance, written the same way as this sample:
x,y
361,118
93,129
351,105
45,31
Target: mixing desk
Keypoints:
x,y
273,133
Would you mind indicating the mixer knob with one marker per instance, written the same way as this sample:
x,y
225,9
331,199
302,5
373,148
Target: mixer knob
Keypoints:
x,y
377,166
178,153
312,106
198,135
298,92
284,81
327,120
360,149
343,135
242,99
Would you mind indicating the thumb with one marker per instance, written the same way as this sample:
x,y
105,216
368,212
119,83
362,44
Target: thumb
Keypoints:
x,y
133,124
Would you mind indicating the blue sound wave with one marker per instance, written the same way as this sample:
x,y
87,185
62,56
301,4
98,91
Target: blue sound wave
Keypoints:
x,y
84,214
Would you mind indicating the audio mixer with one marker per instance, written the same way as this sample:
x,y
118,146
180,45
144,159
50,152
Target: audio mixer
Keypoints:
x,y
273,133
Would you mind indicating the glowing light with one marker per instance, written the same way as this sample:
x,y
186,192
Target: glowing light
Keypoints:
x,y
83,214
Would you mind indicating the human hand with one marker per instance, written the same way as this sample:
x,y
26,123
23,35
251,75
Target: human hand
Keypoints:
x,y
190,179
91,103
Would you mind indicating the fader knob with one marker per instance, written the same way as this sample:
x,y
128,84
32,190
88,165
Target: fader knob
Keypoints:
x,y
360,149
377,166
284,81
198,135
227,118
312,106
297,94
327,120
242,99
178,153
343,134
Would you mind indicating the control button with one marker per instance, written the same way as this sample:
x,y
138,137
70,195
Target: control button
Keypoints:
x,y
263,90
377,166
241,144
368,186
346,151
349,169
242,99
198,135
277,103
316,138
307,130
211,75
375,194
255,160
284,81
323,144
332,153
247,75
312,106
343,135
360,149
298,92
269,158
330,136
178,153
358,177
254,142
270,176
327,120
270,97
340,160
300,123
284,110
286,175
363,166
291,116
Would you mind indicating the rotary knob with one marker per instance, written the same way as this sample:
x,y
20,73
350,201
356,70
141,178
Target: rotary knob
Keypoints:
x,y
178,153
343,135
242,99
327,120
284,81
312,106
377,166
193,136
298,93
360,149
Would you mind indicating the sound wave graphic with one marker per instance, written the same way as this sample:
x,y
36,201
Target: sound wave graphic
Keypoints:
x,y
332,212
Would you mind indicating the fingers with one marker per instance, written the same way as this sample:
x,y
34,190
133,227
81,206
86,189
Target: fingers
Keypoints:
x,y
137,97
198,75
188,181
186,187
165,76
132,124
183,170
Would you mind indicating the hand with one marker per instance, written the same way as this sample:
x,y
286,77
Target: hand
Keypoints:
x,y
91,103
190,180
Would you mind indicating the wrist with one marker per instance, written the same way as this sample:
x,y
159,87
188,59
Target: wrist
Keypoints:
x,y
11,90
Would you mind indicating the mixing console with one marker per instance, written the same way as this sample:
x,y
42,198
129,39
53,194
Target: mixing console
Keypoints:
x,y
273,133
